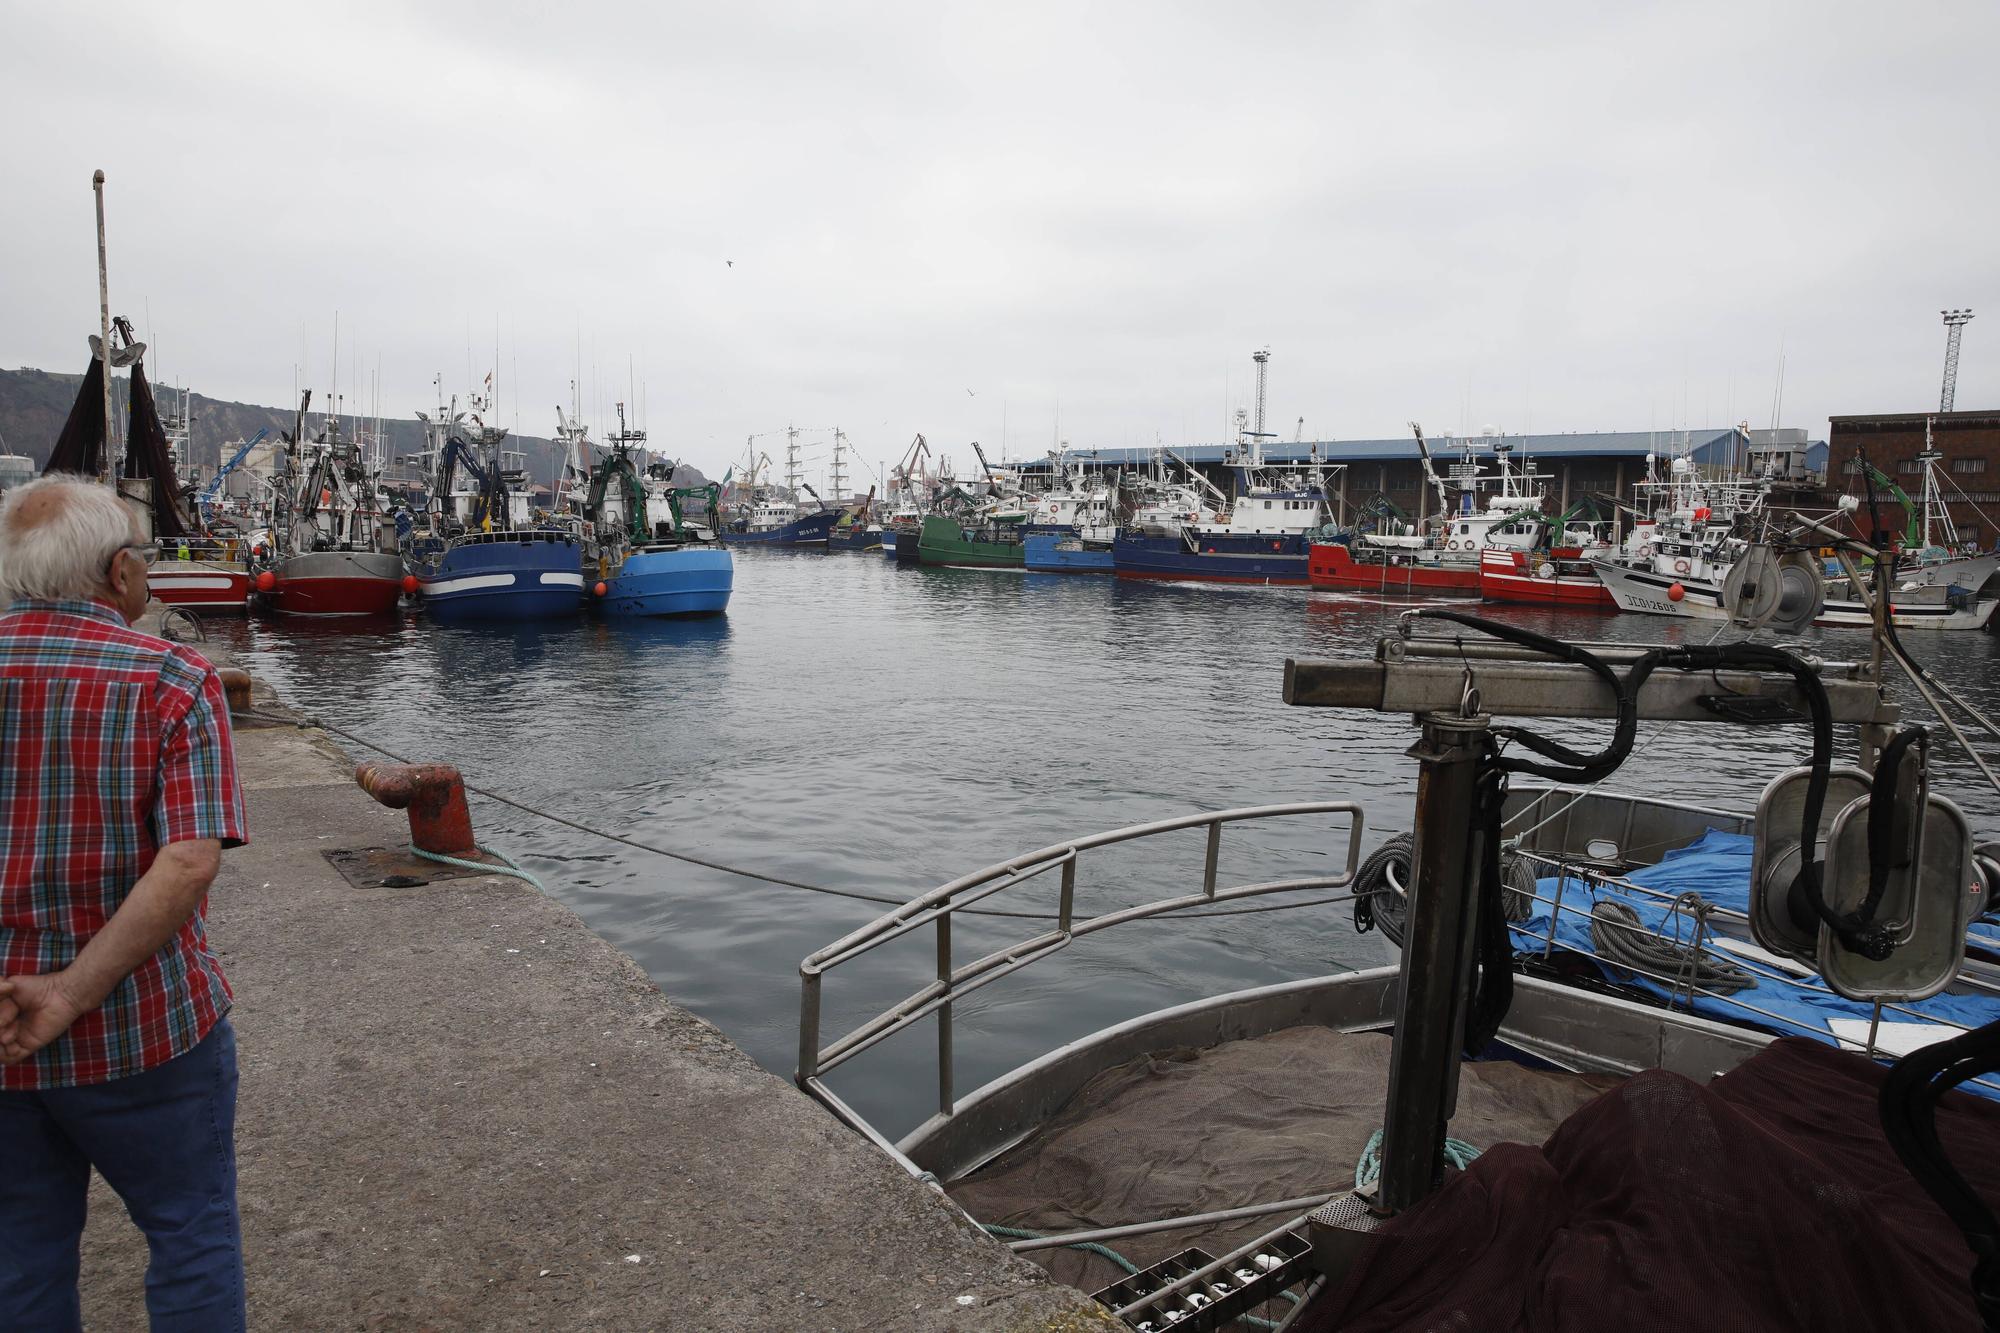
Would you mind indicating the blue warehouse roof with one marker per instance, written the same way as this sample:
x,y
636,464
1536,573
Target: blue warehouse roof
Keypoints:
x,y
1718,447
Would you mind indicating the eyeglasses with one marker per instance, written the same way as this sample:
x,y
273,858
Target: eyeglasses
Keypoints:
x,y
148,551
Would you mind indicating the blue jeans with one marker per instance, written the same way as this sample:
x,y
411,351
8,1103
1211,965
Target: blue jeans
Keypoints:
x,y
165,1140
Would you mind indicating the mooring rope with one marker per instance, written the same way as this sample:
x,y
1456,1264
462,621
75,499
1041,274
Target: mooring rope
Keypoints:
x,y
742,872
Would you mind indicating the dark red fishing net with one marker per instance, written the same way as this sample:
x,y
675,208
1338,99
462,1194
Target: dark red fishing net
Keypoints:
x,y
1767,1200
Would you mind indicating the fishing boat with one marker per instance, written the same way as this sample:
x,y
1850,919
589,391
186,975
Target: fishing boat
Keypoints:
x,y
1621,1083
767,519
332,552
648,559
1699,595
1065,553
1447,560
1265,539
1266,534
943,540
479,554
1559,577
857,529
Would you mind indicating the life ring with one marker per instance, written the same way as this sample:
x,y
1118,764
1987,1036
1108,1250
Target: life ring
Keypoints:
x,y
1681,566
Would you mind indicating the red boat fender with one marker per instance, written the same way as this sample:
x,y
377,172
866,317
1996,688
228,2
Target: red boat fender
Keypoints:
x,y
266,581
1676,592
434,794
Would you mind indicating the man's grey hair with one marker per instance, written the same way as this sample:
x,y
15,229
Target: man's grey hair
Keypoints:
x,y
58,535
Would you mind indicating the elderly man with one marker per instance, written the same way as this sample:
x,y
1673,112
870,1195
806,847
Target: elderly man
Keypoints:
x,y
118,793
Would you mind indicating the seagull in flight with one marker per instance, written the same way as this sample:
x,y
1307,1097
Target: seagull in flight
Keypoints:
x,y
970,394
730,262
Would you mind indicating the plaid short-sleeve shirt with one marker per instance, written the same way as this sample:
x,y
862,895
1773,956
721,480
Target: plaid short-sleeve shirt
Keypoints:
x,y
112,745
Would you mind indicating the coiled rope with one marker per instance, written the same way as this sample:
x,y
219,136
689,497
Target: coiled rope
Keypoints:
x,y
1381,888
1368,1169
741,872
1620,938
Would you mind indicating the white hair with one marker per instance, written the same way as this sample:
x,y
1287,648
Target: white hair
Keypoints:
x,y
58,535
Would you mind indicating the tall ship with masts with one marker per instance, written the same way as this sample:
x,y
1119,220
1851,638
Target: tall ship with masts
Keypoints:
x,y
478,553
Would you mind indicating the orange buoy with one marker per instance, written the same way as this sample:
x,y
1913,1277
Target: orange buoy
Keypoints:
x,y
1676,592
601,588
410,584
266,581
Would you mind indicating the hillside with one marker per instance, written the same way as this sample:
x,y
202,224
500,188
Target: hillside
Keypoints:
x,y
34,404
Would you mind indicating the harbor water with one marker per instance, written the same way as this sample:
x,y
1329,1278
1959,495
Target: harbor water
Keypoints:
x,y
883,731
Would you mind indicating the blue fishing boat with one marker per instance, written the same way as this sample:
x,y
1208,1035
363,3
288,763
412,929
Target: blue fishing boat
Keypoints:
x,y
766,518
1266,538
650,560
1053,553
798,530
479,554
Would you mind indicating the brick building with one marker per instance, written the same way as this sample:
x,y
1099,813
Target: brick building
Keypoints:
x,y
1969,441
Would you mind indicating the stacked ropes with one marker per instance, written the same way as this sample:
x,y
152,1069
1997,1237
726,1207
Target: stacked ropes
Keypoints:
x,y
1381,888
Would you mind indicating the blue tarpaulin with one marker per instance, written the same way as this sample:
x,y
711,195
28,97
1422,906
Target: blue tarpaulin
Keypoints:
x,y
1717,866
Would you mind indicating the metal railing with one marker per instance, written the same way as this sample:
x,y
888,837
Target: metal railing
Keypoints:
x,y
953,981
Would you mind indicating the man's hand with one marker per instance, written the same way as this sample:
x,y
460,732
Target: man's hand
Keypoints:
x,y
34,1011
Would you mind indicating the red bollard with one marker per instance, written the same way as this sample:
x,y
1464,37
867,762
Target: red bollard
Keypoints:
x,y
236,688
434,794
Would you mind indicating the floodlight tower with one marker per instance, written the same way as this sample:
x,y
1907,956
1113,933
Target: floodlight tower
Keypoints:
x,y
1954,322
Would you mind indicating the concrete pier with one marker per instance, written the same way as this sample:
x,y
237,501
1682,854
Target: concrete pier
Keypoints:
x,y
462,1110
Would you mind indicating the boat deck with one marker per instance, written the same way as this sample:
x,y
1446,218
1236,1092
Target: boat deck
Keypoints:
x,y
1280,1116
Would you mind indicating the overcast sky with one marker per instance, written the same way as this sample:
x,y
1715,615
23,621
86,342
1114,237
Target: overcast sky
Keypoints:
x,y
1077,220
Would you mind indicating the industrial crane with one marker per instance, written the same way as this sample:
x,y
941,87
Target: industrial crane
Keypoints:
x,y
213,491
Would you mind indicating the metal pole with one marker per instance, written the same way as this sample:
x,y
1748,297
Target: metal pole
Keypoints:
x,y
1437,961
108,468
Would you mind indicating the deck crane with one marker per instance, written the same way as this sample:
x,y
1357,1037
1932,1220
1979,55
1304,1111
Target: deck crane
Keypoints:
x,y
213,491
1430,470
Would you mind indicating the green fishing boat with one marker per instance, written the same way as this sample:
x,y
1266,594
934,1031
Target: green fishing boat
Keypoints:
x,y
945,541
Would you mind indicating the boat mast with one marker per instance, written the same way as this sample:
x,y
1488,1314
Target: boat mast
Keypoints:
x,y
110,463
1934,510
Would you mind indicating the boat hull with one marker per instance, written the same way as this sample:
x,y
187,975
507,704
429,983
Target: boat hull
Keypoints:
x,y
943,542
208,587
1534,578
809,530
1049,553
1274,560
505,576
1652,594
1332,566
690,581
855,537
337,583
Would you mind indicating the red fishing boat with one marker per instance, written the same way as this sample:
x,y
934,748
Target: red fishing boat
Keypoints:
x,y
1418,569
1560,577
336,550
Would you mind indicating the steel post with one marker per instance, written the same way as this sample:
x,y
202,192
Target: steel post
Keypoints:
x,y
1437,960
